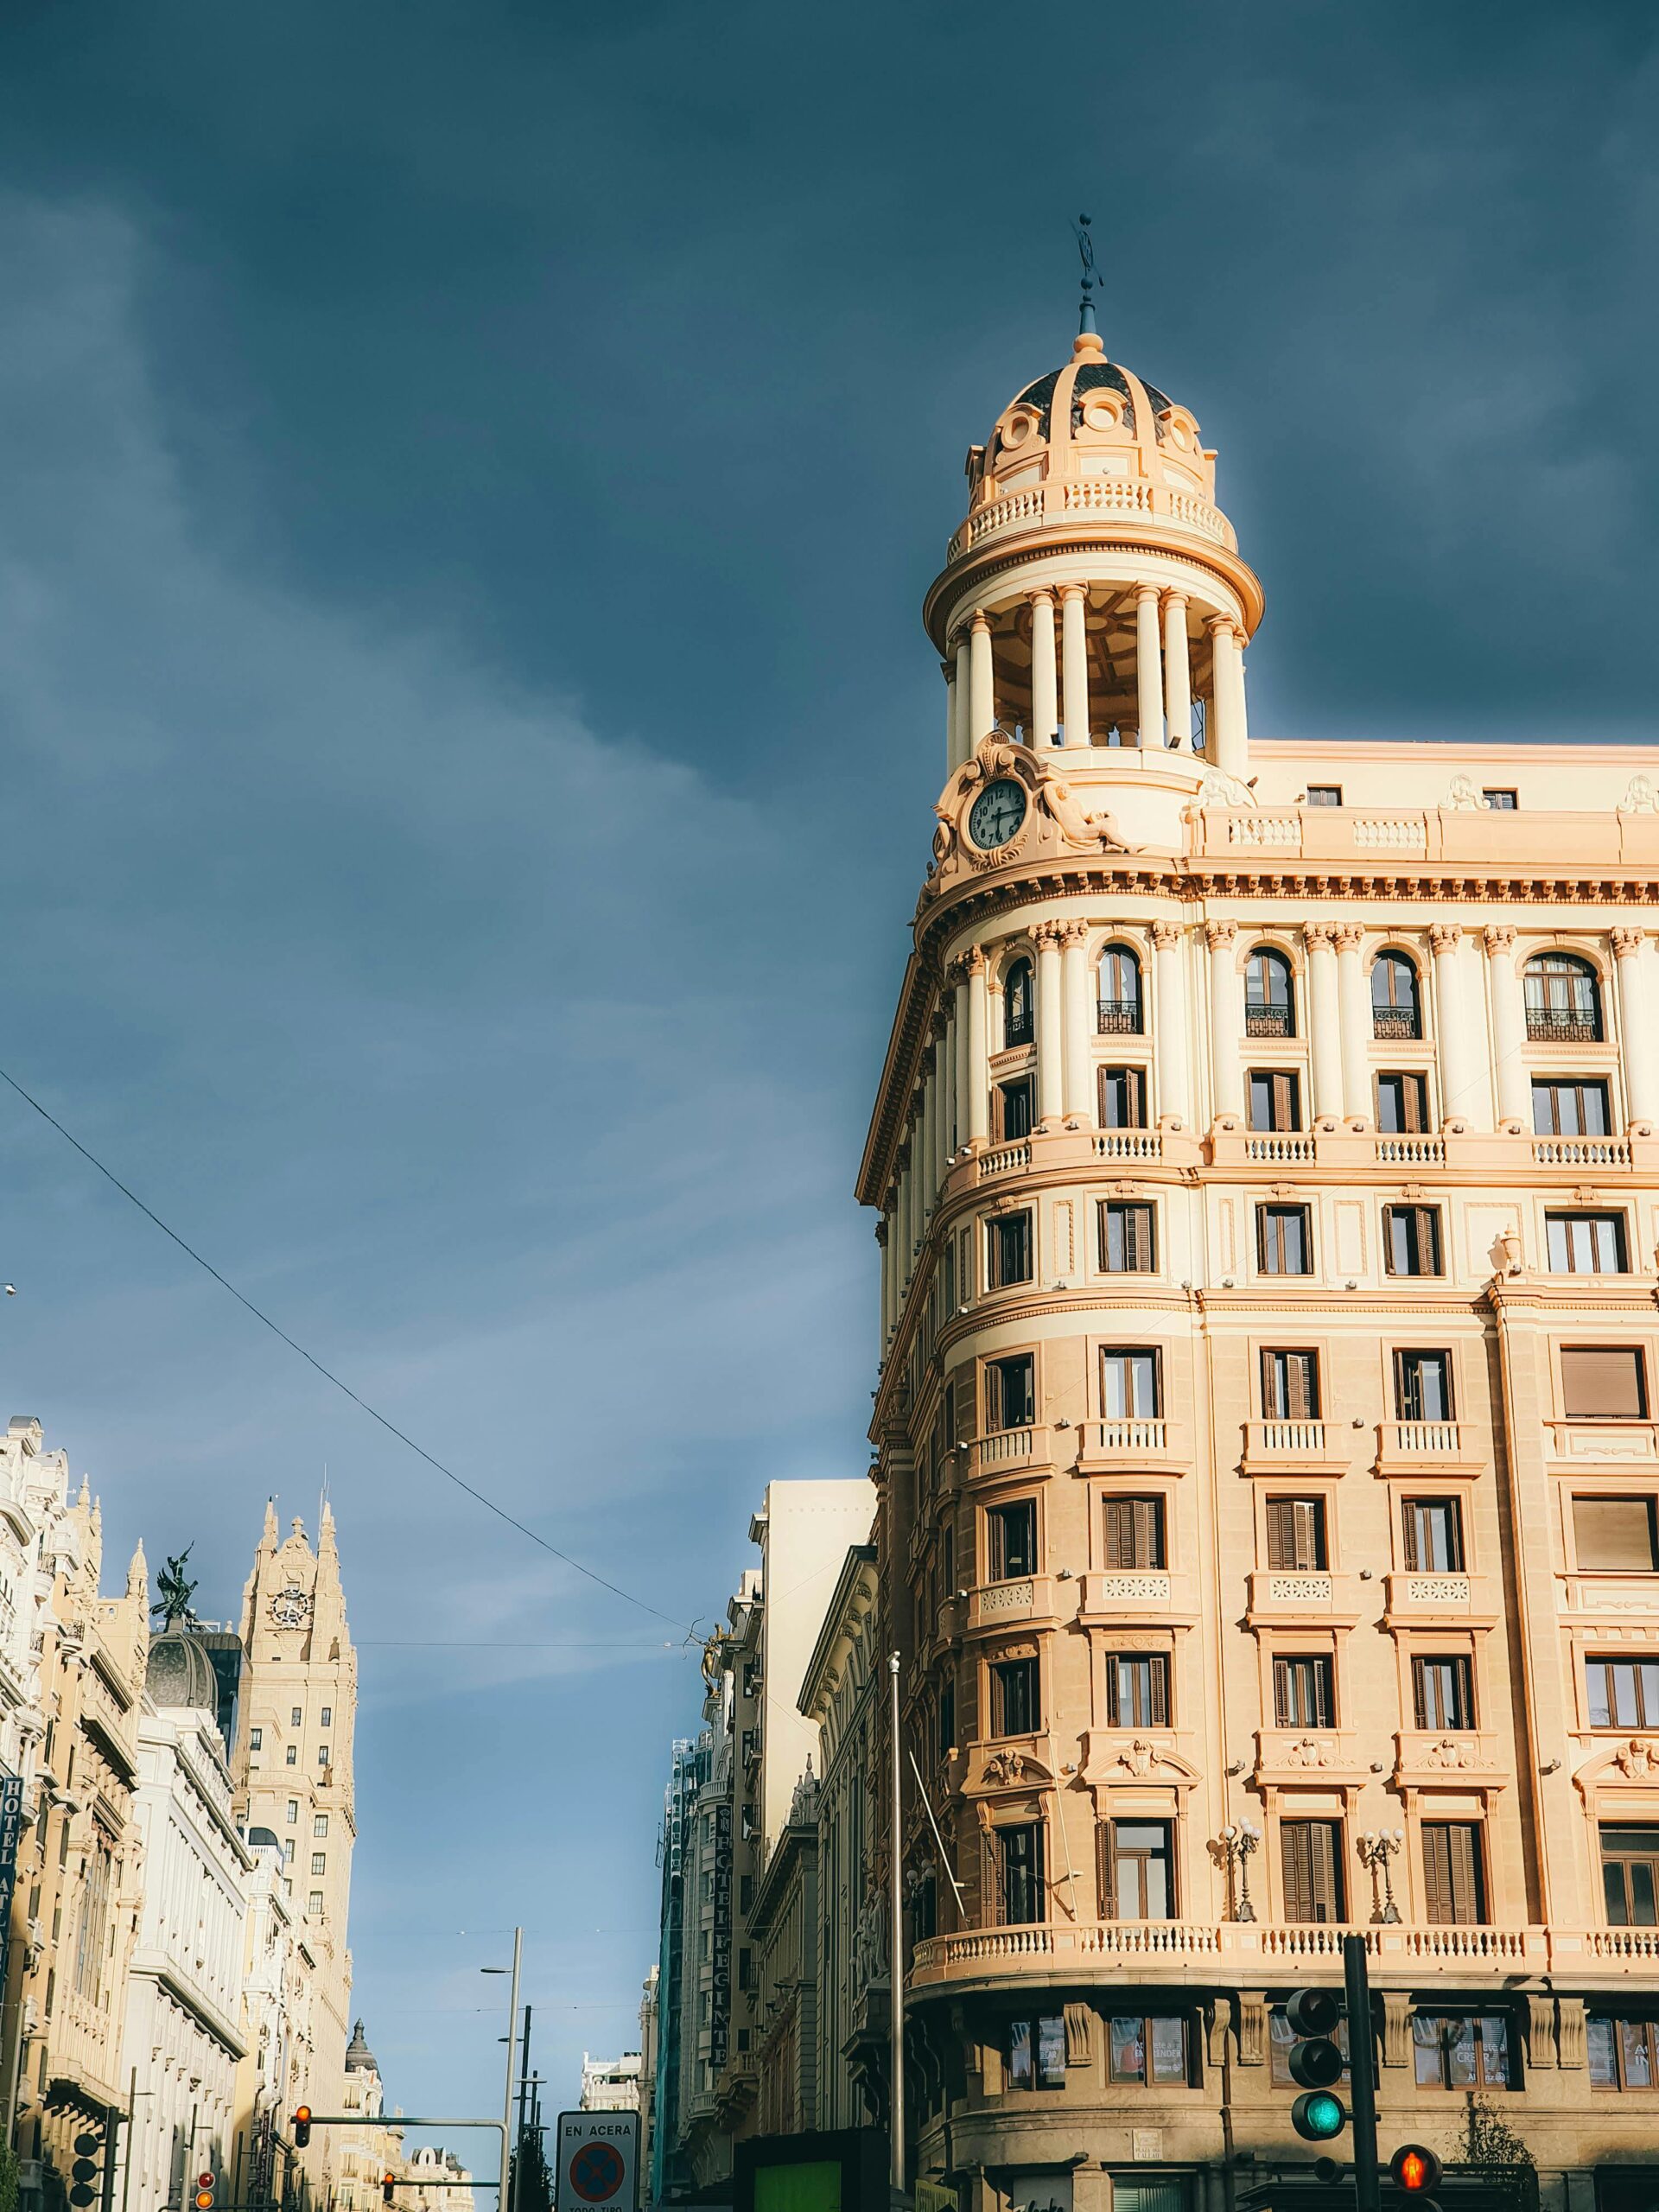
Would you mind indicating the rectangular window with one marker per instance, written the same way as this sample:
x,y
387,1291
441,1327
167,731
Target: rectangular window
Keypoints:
x,y
1011,1541
1598,1385
1325,794
1290,1386
1016,1700
1401,1105
320,1824
1303,1693
1008,1238
1411,1240
1565,1106
1454,1878
1461,2050
1148,2050
1020,1874
326,1718
1442,1695
256,1740
1623,2054
1422,1386
1128,1242
291,1755
1037,2053
1615,1535
314,1904
1135,1532
1131,1386
1498,802
296,1716
1283,1246
1310,1860
1010,1392
1623,1693
1140,1871
1137,1689
1434,1534
1122,1098
1584,1244
1629,1875
319,1862
322,1754
1276,1099
1296,1535
293,1810
1014,1113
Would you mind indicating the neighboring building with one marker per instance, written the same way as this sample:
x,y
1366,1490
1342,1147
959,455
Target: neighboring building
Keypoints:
x,y
781,1957
611,2084
649,2031
296,1711
842,1693
373,2146
448,2190
276,1985
670,2174
1267,1183
183,2036
80,1867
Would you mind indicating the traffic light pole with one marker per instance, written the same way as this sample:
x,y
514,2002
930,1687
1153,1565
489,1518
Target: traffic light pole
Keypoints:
x,y
1362,2076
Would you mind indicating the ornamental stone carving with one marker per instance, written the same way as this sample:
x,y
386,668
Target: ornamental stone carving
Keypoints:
x,y
1628,943
1445,937
1308,1751
1166,936
1216,934
1349,938
1637,1760
1498,938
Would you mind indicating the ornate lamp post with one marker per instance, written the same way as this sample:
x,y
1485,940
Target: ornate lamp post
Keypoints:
x,y
1238,1842
1376,1848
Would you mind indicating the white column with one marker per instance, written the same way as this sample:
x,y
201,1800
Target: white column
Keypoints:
x,y
1221,736
1508,1027
979,1072
1325,1021
1169,1025
926,1107
966,740
952,741
944,1082
1178,674
1632,954
1465,1092
1355,995
981,689
905,1223
1079,1022
1149,668
1074,652
1045,704
1050,1024
961,1089
1226,1020
884,1246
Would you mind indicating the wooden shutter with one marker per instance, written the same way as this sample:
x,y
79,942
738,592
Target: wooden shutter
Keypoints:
x,y
1120,1532
1614,1534
1451,1872
1283,1703
994,1396
1281,1533
1312,1878
1602,1384
1284,1116
1158,1670
1413,1548
1302,1392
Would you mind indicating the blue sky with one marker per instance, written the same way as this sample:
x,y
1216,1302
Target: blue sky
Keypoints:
x,y
467,744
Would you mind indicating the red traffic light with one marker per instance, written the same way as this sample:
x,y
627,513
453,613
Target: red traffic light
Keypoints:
x,y
1414,2169
204,2181
302,2127
1313,2012
386,2188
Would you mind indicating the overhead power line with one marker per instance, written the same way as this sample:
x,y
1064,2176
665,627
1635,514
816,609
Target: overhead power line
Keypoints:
x,y
328,1374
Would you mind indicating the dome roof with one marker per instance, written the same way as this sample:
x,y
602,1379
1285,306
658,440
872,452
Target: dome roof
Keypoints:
x,y
180,1674
1097,375
359,2059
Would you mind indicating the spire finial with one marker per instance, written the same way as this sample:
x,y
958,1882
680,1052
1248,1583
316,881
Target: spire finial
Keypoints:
x,y
1084,234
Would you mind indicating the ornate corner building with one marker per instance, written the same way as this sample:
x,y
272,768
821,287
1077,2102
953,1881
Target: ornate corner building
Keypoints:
x,y
1268,1186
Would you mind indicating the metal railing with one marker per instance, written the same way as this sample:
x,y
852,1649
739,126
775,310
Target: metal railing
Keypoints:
x,y
1390,1021
1269,1021
1550,1025
1118,1017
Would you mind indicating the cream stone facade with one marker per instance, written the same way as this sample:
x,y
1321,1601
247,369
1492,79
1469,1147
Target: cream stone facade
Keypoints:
x,y
276,1991
1268,1193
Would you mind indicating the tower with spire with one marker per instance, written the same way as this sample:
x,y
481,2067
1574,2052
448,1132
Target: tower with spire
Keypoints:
x,y
292,1769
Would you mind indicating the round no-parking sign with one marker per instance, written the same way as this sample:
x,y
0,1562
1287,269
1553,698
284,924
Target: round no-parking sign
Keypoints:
x,y
599,2156
596,2173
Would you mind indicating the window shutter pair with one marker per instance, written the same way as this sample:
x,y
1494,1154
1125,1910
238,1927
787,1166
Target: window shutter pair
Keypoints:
x,y
1295,1534
1135,1532
1452,1872
1313,1870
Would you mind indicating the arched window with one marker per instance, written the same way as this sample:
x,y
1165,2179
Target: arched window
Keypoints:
x,y
1269,1002
1563,999
1395,1009
1019,1016
1119,1013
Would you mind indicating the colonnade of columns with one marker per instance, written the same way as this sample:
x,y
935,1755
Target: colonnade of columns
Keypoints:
x,y
1479,1028
1059,676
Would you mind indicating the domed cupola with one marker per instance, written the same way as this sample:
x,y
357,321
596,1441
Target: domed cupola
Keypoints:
x,y
180,1675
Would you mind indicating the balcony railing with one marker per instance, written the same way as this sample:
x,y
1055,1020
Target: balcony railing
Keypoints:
x,y
1413,1440
1580,1152
1018,1031
1392,1021
1269,1021
1118,1017
1278,1439
1287,1148
1126,1435
1550,1025
1129,1144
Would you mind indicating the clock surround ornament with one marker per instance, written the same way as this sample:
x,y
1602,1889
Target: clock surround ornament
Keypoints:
x,y
997,815
291,1606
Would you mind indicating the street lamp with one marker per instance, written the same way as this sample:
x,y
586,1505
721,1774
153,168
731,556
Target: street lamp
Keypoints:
x,y
1238,1842
1376,1848
513,2026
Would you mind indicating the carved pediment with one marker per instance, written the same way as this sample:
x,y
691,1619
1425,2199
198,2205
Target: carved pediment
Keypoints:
x,y
1007,1766
1117,1756
1632,1759
1055,823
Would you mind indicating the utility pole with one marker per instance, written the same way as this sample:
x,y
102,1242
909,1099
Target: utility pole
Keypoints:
x,y
523,2074
1362,2075
512,2068
896,2097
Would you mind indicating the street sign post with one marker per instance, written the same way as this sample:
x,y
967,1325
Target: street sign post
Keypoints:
x,y
597,2168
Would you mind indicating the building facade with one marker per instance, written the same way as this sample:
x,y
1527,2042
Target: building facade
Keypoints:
x,y
184,2036
276,2014
1267,1185
296,1710
373,2146
611,2084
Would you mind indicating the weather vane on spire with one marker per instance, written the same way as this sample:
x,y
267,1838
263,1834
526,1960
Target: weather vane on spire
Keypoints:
x,y
1084,237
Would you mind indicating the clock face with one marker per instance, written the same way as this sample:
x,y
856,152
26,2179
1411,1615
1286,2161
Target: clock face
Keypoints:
x,y
997,813
289,1608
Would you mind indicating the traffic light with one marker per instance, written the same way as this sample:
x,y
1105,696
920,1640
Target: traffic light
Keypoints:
x,y
1318,2115
386,2194
84,2174
204,2192
1415,2171
302,2127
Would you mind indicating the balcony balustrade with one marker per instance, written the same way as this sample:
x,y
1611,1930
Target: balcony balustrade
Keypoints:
x,y
1391,1022
1269,1021
1118,1017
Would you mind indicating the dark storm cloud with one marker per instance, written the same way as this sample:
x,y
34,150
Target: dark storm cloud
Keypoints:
x,y
469,477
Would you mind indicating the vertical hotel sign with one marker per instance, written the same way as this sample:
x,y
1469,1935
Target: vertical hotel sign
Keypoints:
x,y
719,2010
11,1824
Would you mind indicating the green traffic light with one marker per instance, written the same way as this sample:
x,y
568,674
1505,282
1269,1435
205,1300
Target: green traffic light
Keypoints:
x,y
1317,2115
